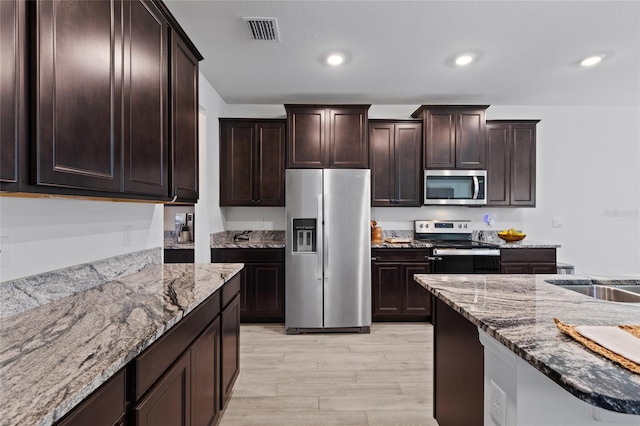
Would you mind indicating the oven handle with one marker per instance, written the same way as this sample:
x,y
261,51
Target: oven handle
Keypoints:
x,y
466,252
432,258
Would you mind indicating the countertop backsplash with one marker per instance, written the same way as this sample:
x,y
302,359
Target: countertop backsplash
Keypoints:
x,y
30,292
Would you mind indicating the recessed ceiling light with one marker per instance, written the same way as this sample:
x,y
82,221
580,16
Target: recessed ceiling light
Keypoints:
x,y
464,59
592,60
335,59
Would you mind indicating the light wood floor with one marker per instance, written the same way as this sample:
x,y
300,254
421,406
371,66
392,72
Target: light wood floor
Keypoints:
x,y
381,378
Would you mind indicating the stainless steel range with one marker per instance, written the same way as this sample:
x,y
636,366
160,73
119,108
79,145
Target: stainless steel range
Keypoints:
x,y
454,252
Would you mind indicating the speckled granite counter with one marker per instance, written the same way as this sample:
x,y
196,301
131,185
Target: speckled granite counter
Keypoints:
x,y
518,311
248,239
491,237
54,355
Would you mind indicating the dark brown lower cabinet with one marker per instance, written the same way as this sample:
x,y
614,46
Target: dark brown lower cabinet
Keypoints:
x,y
230,348
205,377
458,369
395,294
528,261
262,286
179,255
105,407
167,404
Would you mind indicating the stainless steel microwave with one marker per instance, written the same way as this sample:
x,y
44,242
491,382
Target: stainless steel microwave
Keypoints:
x,y
455,187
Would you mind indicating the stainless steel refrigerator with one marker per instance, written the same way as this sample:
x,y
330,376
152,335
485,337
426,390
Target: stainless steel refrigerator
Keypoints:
x,y
328,250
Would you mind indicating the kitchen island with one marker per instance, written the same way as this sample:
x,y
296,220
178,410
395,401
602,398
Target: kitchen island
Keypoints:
x,y
547,377
55,355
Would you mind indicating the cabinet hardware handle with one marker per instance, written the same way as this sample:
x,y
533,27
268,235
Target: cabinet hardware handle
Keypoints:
x,y
433,258
374,259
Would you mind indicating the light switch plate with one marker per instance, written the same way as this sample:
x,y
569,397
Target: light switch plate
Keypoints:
x,y
558,222
127,237
497,404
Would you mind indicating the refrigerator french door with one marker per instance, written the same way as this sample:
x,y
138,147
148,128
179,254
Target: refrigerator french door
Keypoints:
x,y
328,250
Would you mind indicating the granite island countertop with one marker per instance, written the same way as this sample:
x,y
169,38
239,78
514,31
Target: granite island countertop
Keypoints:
x,y
55,355
518,311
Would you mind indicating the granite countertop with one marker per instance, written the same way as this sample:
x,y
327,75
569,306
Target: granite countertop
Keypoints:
x,y
248,239
56,354
518,311
411,244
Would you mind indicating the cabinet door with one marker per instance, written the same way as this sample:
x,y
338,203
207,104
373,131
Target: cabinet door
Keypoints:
x,y
205,376
382,161
236,167
104,407
77,91
230,348
268,288
523,164
408,165
246,293
514,268
387,282
416,299
168,402
146,139
306,135
470,139
12,45
269,164
440,139
543,268
184,119
498,164
348,145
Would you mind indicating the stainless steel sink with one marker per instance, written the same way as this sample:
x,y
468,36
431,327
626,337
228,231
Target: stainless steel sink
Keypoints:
x,y
622,293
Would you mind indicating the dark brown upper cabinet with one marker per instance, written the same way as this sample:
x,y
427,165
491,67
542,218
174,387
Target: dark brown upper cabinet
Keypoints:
x,y
395,154
454,136
109,100
146,136
78,77
511,163
184,113
327,136
12,119
252,154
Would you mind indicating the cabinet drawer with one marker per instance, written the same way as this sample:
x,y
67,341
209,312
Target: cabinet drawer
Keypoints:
x,y
528,255
103,408
230,289
155,360
231,255
401,255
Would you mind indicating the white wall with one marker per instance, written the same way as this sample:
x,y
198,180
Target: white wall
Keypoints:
x,y
588,175
45,234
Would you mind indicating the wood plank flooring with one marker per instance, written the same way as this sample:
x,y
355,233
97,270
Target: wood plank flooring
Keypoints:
x,y
381,378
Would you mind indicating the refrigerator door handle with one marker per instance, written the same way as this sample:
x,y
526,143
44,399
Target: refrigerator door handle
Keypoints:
x,y
325,242
319,238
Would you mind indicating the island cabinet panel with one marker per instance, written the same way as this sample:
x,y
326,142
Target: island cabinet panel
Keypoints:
x,y
327,136
105,407
395,157
454,136
458,369
528,261
230,348
511,162
252,170
205,385
12,102
146,90
395,294
184,120
78,86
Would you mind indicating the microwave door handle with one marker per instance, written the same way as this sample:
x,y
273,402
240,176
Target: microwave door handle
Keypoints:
x,y
476,187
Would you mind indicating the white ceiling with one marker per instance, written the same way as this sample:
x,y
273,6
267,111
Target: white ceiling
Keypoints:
x,y
400,52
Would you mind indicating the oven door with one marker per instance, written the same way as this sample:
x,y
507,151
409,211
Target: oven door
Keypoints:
x,y
465,261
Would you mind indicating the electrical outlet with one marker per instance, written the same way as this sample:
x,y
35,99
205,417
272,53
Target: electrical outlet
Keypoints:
x,y
498,404
260,223
127,237
558,222
4,252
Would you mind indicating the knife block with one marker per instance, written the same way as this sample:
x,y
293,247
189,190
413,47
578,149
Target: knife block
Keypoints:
x,y
376,234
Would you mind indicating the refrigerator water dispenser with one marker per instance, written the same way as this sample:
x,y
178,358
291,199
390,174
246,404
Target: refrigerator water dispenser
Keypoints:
x,y
304,235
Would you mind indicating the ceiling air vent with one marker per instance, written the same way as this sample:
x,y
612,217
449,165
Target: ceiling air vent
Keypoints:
x,y
263,29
